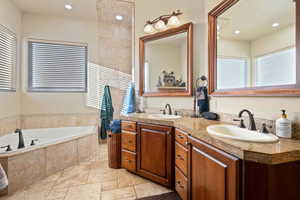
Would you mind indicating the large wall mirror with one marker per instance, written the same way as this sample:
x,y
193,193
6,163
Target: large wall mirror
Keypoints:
x,y
166,62
252,48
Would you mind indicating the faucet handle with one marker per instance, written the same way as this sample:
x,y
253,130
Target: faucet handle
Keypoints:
x,y
163,111
8,148
264,128
242,124
33,142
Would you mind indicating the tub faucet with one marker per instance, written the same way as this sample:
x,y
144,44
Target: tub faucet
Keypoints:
x,y
252,125
21,139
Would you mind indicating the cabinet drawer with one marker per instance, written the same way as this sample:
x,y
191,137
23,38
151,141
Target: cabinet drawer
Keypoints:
x,y
129,126
181,184
129,160
181,155
129,141
181,137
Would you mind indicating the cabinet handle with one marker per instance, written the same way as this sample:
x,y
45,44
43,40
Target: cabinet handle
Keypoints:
x,y
180,136
179,184
180,157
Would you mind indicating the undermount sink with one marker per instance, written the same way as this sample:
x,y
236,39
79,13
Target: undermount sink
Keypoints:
x,y
241,134
161,116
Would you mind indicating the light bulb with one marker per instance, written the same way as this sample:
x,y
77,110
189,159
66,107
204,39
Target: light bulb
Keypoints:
x,y
174,21
160,25
275,25
149,28
119,17
237,32
68,7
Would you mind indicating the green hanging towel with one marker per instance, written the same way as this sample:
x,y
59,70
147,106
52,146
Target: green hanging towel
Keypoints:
x,y
107,112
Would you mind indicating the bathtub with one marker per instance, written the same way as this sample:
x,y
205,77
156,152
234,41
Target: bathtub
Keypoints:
x,y
55,150
45,136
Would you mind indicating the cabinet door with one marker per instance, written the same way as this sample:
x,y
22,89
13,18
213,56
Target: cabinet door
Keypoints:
x,y
214,174
155,153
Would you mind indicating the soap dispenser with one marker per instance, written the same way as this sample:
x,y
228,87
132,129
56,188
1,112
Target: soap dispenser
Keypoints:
x,y
284,126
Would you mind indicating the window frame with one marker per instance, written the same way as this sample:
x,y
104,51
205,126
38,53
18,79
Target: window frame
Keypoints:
x,y
15,66
51,89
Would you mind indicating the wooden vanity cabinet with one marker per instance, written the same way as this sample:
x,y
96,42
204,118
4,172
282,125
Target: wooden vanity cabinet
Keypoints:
x,y
213,174
154,153
128,143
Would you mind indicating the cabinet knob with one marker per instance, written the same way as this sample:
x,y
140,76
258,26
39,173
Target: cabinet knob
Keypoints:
x,y
130,141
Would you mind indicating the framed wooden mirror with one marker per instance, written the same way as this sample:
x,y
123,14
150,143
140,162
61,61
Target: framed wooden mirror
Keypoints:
x,y
254,48
166,62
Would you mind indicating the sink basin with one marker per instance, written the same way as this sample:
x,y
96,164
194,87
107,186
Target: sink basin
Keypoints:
x,y
236,133
161,116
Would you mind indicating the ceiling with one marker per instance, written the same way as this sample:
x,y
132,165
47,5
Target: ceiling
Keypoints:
x,y
254,18
84,9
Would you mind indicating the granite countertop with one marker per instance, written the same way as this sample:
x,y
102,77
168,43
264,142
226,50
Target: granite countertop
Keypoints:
x,y
286,150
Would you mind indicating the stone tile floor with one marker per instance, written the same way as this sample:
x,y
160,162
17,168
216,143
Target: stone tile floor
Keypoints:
x,y
91,180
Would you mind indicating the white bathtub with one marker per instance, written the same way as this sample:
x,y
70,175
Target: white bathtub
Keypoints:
x,y
55,150
45,136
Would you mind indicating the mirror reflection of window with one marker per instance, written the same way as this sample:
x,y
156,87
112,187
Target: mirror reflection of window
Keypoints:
x,y
276,68
232,73
263,33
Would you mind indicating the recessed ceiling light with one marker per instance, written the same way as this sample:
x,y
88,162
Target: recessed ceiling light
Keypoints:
x,y
237,32
275,25
68,7
119,17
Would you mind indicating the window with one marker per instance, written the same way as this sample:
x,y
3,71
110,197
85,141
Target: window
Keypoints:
x,y
57,67
278,68
232,73
8,59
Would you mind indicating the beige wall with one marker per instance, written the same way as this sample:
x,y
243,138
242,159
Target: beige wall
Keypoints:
x,y
163,57
11,18
193,12
284,38
264,107
57,29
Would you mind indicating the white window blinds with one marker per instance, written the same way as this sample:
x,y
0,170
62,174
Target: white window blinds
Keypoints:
x,y
57,67
8,59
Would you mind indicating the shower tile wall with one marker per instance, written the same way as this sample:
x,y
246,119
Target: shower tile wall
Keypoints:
x,y
115,41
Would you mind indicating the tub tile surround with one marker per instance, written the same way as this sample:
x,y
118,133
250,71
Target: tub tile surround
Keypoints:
x,y
29,167
79,183
59,120
10,124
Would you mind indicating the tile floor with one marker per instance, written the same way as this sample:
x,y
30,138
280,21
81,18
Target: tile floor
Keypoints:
x,y
92,180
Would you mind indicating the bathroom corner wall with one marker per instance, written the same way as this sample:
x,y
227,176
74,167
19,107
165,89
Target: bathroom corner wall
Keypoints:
x,y
10,102
115,41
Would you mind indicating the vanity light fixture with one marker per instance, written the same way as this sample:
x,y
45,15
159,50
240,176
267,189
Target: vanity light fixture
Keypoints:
x,y
237,32
163,22
275,25
68,6
119,17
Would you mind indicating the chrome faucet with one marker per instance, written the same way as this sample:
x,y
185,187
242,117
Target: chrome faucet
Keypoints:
x,y
252,125
21,139
168,106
